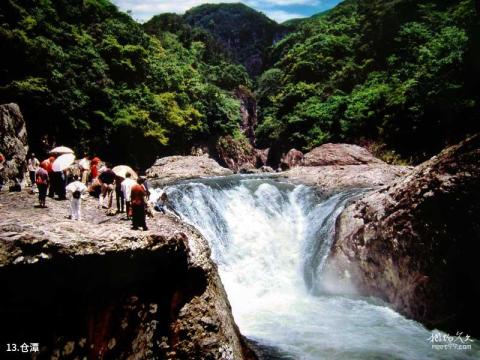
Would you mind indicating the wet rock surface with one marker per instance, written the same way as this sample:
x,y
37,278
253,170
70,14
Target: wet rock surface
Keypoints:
x,y
13,143
96,289
175,168
415,243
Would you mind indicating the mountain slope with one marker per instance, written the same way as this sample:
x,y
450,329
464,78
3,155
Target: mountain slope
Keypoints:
x,y
245,33
396,73
88,76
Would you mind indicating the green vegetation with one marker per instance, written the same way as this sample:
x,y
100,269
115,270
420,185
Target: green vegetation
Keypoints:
x,y
244,34
89,76
398,75
394,72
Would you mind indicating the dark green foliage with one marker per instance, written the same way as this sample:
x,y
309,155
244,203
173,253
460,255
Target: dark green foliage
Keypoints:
x,y
89,76
243,32
397,72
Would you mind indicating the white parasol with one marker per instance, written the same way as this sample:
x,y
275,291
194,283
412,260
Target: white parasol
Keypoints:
x,y
63,162
61,150
121,170
84,164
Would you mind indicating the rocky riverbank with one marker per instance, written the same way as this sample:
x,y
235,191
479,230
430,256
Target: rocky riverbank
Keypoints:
x,y
338,166
97,289
329,167
415,242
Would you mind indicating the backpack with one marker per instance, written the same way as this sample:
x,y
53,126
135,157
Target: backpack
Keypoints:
x,y
76,194
40,181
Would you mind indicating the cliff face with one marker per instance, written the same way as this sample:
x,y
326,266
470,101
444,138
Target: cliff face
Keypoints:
x,y
415,243
248,113
97,289
13,143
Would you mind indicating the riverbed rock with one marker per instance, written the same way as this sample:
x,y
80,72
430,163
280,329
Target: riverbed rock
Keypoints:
x,y
333,167
96,289
170,169
336,177
291,159
415,243
13,144
339,154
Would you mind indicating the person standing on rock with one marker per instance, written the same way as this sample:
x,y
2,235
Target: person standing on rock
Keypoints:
x,y
32,166
107,178
75,189
138,195
119,195
42,181
126,187
51,176
94,168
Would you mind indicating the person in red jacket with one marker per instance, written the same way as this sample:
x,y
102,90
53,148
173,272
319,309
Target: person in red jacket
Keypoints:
x,y
138,202
41,179
94,168
51,176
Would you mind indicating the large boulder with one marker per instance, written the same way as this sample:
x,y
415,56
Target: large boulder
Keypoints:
x,y
175,168
333,167
13,143
339,154
239,155
96,289
335,177
291,159
415,243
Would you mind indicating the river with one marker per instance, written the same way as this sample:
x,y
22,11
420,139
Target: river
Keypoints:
x,y
270,240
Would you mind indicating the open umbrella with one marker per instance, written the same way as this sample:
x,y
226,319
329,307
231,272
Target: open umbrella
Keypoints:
x,y
63,162
121,170
61,150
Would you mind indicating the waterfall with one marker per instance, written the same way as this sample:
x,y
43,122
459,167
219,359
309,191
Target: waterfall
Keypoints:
x,y
270,240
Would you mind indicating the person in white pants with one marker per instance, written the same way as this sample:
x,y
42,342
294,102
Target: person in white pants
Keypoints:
x,y
75,190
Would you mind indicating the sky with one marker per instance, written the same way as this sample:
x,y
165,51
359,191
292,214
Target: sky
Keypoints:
x,y
278,10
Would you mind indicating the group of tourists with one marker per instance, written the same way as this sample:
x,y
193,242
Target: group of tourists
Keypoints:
x,y
91,176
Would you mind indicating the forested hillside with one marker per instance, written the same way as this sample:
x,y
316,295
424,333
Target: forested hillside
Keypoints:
x,y
244,33
403,74
87,75
398,75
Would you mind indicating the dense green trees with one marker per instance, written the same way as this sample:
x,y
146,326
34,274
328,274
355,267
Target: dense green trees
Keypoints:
x,y
401,74
87,75
243,33
395,72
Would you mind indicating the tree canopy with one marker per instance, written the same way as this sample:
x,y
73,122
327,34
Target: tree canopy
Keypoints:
x,y
397,72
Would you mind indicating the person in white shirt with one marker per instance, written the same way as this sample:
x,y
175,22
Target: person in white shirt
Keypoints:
x,y
126,190
32,166
76,189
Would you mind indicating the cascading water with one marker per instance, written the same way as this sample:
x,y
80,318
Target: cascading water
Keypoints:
x,y
270,240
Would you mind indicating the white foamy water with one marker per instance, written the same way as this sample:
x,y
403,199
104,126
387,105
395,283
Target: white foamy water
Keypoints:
x,y
270,241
